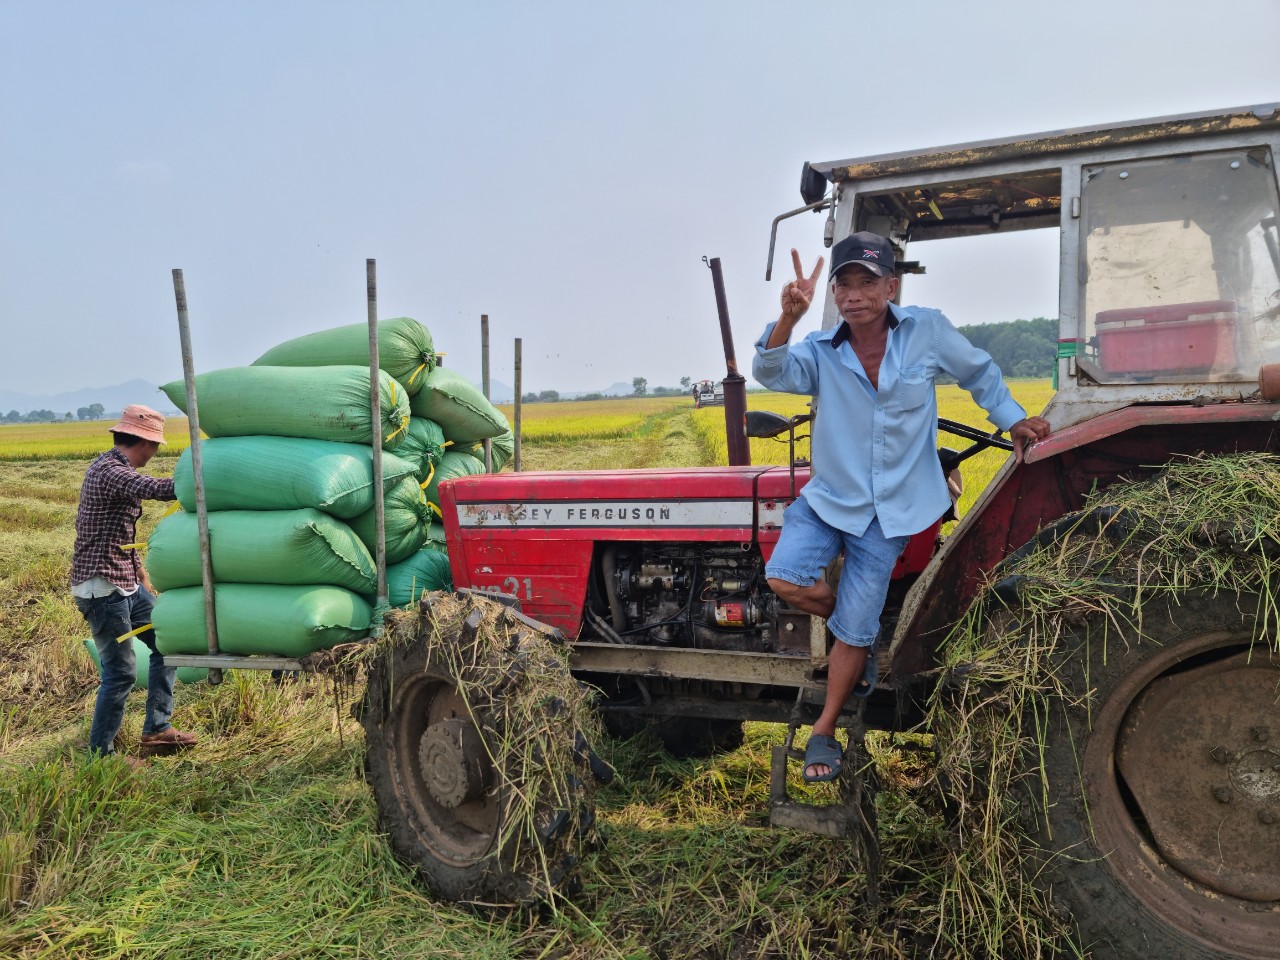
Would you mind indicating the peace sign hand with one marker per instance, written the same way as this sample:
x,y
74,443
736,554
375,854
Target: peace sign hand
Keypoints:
x,y
798,294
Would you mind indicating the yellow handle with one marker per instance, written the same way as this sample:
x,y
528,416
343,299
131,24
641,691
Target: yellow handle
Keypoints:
x,y
140,547
389,437
133,633
430,473
414,376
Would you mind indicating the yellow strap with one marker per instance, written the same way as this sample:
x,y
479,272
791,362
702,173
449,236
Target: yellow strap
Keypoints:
x,y
393,391
133,633
389,437
430,473
140,547
173,508
436,509
447,443
414,376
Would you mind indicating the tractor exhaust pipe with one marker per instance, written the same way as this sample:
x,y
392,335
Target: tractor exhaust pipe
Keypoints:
x,y
735,384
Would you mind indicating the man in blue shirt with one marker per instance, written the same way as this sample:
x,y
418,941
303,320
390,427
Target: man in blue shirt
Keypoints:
x,y
876,478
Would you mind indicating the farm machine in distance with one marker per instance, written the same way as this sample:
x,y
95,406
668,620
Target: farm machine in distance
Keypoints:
x,y
1164,838
708,393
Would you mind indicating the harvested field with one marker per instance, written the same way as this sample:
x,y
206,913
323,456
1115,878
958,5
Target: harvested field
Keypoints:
x,y
263,841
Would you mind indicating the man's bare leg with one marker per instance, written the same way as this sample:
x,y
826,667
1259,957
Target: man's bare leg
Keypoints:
x,y
846,662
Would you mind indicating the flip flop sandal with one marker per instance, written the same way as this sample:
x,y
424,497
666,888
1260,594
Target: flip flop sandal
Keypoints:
x,y
823,750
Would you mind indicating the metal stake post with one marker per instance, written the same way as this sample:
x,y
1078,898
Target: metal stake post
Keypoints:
x,y
515,459
197,470
484,381
375,406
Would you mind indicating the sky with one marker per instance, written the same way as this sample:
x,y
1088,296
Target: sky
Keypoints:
x,y
561,167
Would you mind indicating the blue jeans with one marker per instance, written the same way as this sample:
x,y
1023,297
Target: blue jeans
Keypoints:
x,y
808,543
109,618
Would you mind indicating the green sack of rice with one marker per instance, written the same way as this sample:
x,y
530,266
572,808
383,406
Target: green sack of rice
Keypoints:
x,y
406,515
263,619
320,403
452,465
423,446
284,473
457,404
502,449
405,350
435,537
422,572
261,546
142,665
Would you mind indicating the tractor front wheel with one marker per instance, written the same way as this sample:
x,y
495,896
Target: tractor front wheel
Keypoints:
x,y
476,756
1161,805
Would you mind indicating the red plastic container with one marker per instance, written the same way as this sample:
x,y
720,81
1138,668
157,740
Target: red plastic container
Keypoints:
x,y
1172,338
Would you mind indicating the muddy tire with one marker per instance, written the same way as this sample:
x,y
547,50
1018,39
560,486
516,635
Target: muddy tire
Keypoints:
x,y
448,770
1160,819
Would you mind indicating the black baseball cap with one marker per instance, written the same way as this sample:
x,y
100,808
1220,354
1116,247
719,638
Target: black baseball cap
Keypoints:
x,y
866,249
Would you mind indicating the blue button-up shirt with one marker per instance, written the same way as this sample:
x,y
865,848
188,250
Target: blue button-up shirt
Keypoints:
x,y
875,450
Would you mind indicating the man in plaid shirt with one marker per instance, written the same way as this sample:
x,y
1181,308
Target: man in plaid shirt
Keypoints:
x,y
111,587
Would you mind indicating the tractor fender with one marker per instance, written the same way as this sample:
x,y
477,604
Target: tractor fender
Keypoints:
x,y
1053,481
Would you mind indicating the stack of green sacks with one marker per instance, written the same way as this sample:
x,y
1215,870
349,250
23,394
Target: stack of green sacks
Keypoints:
x,y
290,574
289,487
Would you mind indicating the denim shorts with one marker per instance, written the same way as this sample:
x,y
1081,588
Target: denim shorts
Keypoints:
x,y
808,543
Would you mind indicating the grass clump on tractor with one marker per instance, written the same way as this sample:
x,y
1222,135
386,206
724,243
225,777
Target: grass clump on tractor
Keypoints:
x,y
1024,739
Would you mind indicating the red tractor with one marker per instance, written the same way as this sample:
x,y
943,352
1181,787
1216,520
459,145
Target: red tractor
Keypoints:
x,y
1169,325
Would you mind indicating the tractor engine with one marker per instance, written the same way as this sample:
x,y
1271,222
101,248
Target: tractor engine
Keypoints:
x,y
708,596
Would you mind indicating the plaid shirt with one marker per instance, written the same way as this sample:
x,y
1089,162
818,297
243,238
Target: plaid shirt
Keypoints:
x,y
110,505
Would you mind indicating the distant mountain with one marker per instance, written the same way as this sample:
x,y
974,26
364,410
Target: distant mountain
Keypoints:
x,y
499,392
113,399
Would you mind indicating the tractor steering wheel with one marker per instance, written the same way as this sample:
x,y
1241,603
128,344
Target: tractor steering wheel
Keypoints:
x,y
981,441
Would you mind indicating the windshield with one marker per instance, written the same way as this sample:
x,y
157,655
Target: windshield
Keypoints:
x,y
1181,269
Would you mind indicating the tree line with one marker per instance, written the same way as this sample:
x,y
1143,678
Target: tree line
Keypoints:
x,y
1020,348
94,411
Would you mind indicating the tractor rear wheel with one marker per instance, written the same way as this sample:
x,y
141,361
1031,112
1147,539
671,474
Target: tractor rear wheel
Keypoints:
x,y
491,806
1161,813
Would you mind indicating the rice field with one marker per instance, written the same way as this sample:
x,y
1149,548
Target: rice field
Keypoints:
x,y
75,440
571,420
263,841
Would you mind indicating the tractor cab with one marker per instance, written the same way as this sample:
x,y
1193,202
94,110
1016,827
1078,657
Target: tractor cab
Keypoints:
x,y
1169,255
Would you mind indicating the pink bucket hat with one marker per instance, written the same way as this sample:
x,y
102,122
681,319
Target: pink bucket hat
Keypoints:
x,y
141,422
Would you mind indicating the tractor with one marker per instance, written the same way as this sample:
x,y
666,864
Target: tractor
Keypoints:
x,y
1169,286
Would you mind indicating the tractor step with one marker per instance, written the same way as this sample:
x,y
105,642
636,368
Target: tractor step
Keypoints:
x,y
829,820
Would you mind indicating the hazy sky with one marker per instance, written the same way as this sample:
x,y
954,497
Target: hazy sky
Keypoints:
x,y
562,167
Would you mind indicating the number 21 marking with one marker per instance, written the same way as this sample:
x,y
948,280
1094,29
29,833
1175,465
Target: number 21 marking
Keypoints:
x,y
512,586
